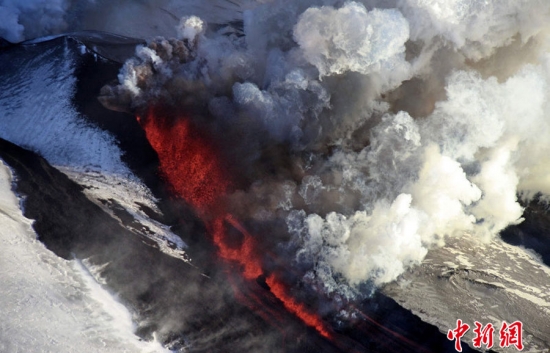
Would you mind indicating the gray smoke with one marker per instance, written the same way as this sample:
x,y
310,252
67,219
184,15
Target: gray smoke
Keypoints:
x,y
395,135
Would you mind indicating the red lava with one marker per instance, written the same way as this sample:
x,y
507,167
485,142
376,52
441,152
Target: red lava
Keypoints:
x,y
188,162
191,165
279,290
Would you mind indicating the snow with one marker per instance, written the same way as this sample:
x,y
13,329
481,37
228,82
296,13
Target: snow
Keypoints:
x,y
38,114
49,304
128,192
493,282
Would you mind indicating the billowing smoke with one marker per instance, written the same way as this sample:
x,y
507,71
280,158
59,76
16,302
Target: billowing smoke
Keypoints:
x,y
365,133
23,19
353,39
476,28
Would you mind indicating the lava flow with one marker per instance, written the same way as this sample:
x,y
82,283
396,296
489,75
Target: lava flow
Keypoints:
x,y
191,165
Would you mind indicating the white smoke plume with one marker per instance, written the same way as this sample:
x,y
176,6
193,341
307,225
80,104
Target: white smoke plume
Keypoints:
x,y
475,27
394,136
24,19
352,39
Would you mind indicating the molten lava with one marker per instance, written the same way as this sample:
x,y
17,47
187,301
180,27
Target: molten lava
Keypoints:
x,y
188,162
244,255
278,289
191,165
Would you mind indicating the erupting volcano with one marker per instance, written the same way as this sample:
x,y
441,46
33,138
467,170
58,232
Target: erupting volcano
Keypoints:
x,y
301,177
191,165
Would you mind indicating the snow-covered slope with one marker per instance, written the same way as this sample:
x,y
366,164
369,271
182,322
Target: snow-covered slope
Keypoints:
x,y
146,19
488,283
37,112
113,191
53,305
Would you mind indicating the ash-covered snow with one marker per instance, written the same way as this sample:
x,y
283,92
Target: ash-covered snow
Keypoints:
x,y
489,283
50,304
108,190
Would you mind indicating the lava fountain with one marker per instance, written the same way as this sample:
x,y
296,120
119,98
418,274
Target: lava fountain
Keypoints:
x,y
191,165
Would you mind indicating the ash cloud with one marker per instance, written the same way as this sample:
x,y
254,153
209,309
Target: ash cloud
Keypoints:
x,y
370,130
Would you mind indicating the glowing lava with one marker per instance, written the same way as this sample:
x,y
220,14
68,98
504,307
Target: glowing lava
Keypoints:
x,y
278,289
244,255
191,165
188,162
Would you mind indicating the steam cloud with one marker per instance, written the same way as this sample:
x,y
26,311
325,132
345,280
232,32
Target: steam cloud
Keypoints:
x,y
21,19
390,130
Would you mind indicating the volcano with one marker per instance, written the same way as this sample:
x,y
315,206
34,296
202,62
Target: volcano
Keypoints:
x,y
296,178
187,305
